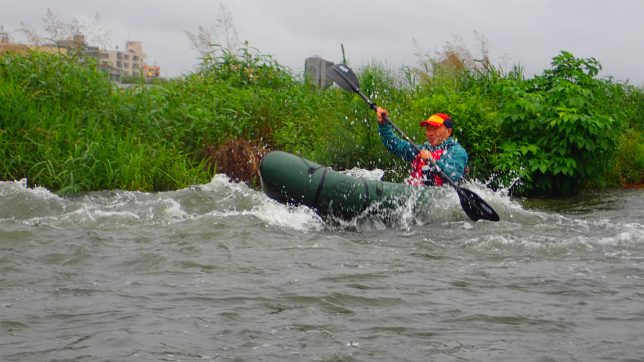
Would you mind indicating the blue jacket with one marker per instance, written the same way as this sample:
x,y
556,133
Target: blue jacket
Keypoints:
x,y
452,162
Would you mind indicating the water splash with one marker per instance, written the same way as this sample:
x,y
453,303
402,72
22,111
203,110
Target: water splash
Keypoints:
x,y
220,198
375,174
223,199
18,201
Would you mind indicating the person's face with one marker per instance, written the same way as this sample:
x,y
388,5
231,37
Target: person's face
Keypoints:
x,y
436,135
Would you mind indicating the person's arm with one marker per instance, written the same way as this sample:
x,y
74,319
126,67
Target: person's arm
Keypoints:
x,y
392,142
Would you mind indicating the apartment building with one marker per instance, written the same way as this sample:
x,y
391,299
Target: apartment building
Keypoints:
x,y
121,63
117,63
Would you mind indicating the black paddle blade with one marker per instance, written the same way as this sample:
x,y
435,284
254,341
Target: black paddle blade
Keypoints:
x,y
475,207
344,77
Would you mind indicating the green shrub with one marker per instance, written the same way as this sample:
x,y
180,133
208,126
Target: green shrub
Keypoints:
x,y
629,164
66,127
555,127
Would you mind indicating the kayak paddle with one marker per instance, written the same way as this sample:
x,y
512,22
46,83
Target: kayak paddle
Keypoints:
x,y
474,206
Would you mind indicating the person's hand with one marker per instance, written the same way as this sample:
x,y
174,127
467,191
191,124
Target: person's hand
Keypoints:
x,y
381,113
426,155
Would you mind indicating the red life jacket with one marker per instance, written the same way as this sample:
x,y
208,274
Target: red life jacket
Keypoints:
x,y
424,173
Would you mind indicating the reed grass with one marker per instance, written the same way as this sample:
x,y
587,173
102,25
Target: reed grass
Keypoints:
x,y
65,126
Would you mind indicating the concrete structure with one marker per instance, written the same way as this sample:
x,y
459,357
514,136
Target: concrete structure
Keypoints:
x,y
116,63
125,63
315,71
119,64
4,36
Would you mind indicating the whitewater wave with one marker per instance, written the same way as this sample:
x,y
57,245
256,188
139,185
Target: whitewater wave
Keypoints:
x,y
222,198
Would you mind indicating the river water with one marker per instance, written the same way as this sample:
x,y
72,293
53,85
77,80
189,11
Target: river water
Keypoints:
x,y
221,272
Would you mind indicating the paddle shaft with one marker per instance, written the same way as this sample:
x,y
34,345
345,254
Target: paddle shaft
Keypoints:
x,y
373,106
475,207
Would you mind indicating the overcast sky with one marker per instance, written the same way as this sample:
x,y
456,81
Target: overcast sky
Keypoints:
x,y
525,32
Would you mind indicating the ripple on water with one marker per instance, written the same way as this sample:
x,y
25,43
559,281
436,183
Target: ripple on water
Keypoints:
x,y
219,271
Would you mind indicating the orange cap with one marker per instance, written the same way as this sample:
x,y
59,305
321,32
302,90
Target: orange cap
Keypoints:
x,y
437,120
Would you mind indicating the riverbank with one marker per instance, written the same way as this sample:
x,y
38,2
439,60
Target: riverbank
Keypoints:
x,y
67,128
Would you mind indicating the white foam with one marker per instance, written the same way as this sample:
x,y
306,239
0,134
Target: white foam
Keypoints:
x,y
116,214
234,199
21,186
220,181
375,174
299,218
223,198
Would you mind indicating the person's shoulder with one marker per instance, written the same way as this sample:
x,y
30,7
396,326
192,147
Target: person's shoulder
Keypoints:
x,y
451,142
455,144
454,140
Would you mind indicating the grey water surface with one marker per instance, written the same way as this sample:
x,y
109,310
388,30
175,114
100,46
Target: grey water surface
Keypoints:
x,y
220,272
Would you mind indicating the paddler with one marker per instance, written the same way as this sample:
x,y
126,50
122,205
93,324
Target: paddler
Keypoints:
x,y
440,146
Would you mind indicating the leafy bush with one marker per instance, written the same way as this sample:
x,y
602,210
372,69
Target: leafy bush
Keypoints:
x,y
629,164
561,133
66,127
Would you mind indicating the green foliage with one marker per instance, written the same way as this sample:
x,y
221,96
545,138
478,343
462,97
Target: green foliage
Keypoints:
x,y
474,111
629,164
66,127
355,123
247,95
562,127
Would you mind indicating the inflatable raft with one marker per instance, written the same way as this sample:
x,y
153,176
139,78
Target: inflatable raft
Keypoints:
x,y
291,179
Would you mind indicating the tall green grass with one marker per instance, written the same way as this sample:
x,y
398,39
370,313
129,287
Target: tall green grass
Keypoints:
x,y
65,126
